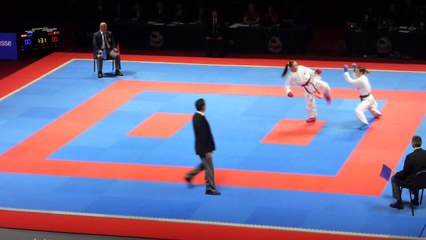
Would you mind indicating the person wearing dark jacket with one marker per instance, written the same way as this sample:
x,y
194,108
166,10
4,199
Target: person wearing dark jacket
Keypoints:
x,y
214,35
414,163
204,147
104,47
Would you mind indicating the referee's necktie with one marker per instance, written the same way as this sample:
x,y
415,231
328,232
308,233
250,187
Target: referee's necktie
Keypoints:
x,y
104,43
104,46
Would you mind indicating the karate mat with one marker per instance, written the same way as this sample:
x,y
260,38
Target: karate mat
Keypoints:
x,y
108,156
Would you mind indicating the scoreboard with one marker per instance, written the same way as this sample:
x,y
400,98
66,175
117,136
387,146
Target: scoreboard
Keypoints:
x,y
38,40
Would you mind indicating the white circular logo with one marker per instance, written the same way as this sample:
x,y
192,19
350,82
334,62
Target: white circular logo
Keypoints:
x,y
156,39
384,45
275,45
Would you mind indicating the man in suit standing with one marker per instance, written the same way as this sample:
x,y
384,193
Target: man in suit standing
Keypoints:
x,y
414,163
204,147
214,36
103,40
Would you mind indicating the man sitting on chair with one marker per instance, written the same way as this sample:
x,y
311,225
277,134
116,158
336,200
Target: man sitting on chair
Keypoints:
x,y
414,163
104,48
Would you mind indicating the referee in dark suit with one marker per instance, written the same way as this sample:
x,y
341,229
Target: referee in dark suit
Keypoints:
x,y
103,40
204,147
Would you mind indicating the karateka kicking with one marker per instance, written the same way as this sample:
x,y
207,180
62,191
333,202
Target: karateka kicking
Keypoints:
x,y
313,85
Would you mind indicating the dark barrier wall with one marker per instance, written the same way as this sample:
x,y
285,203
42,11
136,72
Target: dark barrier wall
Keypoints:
x,y
292,39
78,19
396,43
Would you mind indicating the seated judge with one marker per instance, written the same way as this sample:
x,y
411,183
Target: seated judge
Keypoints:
x,y
414,162
214,35
104,48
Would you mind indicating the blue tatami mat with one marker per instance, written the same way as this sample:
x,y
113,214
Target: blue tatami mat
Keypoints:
x,y
239,123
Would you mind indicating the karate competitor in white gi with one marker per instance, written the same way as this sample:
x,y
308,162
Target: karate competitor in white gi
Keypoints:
x,y
312,84
361,82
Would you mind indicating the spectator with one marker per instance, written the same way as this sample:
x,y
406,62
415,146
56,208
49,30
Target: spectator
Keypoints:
x,y
252,15
117,11
420,19
407,13
159,12
201,16
391,17
100,9
137,11
369,22
214,36
270,18
179,13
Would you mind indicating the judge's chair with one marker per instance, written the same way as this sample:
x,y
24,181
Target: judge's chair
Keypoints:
x,y
419,184
95,61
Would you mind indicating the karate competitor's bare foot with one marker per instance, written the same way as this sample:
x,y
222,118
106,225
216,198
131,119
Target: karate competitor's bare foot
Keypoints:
x,y
311,120
364,126
378,116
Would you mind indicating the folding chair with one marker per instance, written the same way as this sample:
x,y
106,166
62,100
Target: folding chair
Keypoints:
x,y
95,65
95,59
419,183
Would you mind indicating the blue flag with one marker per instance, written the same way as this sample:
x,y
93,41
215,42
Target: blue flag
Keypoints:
x,y
386,172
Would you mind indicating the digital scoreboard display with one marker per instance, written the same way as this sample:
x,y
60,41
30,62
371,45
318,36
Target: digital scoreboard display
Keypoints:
x,y
40,40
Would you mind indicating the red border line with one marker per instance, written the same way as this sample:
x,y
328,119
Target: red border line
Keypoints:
x,y
128,227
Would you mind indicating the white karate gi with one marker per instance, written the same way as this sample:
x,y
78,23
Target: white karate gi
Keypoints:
x,y
367,100
301,78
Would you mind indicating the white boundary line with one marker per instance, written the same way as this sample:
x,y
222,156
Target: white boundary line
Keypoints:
x,y
225,224
175,63
35,80
242,65
195,64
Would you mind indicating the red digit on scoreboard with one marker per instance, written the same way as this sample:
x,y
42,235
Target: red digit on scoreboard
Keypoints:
x,y
54,39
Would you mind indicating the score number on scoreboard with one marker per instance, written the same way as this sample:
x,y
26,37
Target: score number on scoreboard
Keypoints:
x,y
40,40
